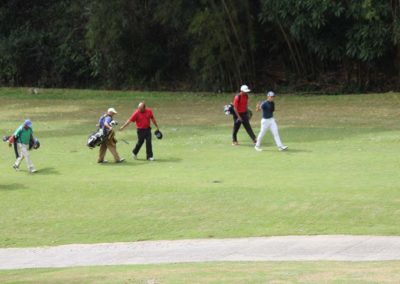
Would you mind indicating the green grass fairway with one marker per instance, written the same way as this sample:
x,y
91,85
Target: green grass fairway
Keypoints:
x,y
257,272
340,175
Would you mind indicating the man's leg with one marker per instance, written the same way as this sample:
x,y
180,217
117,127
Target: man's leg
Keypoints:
x,y
113,149
25,154
102,152
236,126
149,146
141,137
264,128
247,126
275,133
19,158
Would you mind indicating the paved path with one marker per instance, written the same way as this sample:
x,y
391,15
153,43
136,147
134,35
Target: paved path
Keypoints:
x,y
288,248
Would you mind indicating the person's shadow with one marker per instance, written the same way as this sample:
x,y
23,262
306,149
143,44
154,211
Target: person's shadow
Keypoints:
x,y
12,186
47,171
167,160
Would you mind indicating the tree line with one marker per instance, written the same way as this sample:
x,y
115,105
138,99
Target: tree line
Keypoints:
x,y
213,45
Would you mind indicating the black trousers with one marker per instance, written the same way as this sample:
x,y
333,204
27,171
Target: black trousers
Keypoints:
x,y
144,135
246,123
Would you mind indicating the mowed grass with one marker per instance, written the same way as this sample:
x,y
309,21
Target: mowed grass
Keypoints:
x,y
340,175
255,272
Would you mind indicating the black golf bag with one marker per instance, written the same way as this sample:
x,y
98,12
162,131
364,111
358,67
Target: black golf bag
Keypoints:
x,y
95,139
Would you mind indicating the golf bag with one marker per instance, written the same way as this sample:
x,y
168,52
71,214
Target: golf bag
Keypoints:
x,y
15,146
95,139
249,113
34,143
228,109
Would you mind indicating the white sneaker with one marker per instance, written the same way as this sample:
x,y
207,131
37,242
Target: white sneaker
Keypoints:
x,y
258,149
283,148
150,159
16,168
134,156
32,171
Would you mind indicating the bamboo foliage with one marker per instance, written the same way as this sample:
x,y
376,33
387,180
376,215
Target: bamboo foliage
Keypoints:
x,y
201,44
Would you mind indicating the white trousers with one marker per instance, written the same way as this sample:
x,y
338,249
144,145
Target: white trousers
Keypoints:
x,y
23,151
265,125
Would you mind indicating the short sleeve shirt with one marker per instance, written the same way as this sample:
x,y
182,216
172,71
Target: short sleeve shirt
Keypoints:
x,y
142,119
240,102
268,109
103,120
23,135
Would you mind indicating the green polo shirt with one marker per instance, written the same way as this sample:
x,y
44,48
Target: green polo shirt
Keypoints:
x,y
23,135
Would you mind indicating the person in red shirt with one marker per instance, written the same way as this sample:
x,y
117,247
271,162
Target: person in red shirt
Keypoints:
x,y
240,115
142,117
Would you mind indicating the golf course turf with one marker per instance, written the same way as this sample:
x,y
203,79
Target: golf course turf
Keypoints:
x,y
339,176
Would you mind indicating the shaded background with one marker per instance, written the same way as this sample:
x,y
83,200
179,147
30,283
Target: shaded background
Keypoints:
x,y
310,45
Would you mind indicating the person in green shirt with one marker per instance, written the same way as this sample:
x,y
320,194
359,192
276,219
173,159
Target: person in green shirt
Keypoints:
x,y
23,136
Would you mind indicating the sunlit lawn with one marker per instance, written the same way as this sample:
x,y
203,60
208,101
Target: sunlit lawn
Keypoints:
x,y
242,272
340,175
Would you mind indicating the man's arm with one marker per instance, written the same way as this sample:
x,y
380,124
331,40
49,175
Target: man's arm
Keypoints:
x,y
154,121
125,124
13,137
236,102
237,113
258,106
107,125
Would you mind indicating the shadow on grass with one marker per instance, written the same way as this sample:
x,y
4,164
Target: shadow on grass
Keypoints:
x,y
269,149
141,162
127,163
48,171
12,186
167,160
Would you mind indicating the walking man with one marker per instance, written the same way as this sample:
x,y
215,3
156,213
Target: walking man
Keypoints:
x,y
240,115
23,136
142,117
110,143
268,121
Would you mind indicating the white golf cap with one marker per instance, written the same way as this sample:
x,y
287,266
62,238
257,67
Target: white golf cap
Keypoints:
x,y
245,88
111,109
270,94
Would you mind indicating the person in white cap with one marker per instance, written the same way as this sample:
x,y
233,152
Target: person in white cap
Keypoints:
x,y
268,122
23,136
110,143
240,115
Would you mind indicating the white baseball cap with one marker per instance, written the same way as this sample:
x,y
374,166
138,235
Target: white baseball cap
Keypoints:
x,y
245,88
270,94
111,109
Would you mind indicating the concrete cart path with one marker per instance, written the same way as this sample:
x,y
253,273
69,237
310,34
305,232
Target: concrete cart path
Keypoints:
x,y
286,248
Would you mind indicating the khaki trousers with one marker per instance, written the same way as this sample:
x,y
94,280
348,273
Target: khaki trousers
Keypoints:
x,y
24,153
110,144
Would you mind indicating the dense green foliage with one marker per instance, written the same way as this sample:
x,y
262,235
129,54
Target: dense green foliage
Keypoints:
x,y
202,44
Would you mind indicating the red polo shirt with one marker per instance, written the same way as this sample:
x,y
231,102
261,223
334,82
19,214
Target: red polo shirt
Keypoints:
x,y
142,119
241,105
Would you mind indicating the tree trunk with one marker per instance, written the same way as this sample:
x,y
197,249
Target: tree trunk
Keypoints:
x,y
292,53
235,58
